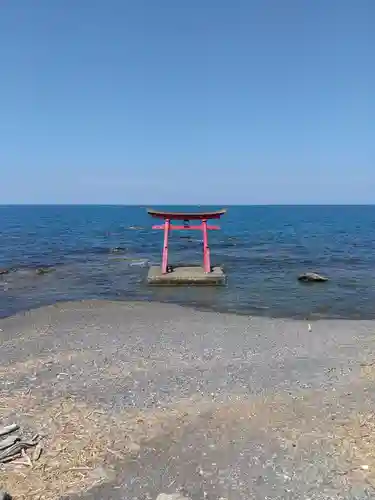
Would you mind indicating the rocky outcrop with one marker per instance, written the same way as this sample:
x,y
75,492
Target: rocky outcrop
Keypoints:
x,y
312,278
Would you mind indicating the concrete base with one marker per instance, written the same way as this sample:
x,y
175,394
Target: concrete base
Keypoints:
x,y
192,275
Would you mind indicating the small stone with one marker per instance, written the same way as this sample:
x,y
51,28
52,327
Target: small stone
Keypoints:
x,y
364,467
134,447
100,474
311,278
174,496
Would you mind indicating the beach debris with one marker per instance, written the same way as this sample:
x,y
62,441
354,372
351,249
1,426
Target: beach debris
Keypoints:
x,y
44,270
312,277
38,450
14,447
8,429
309,327
3,271
9,441
4,495
364,467
26,459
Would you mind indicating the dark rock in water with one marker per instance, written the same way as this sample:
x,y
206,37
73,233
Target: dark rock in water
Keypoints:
x,y
312,278
4,271
44,270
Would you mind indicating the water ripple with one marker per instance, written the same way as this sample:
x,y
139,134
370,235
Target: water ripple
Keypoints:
x,y
95,254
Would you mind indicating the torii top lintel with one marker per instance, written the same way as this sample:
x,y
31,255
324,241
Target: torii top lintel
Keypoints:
x,y
186,215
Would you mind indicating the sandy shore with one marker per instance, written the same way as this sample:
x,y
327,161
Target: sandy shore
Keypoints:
x,y
156,398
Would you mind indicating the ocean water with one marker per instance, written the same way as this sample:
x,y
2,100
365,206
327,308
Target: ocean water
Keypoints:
x,y
97,253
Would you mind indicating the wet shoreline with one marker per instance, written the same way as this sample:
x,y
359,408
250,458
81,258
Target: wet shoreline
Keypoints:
x,y
123,278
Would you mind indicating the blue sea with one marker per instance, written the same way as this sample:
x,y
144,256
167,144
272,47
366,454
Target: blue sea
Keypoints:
x,y
103,252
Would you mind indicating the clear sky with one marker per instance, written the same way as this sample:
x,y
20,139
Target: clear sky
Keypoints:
x,y
187,101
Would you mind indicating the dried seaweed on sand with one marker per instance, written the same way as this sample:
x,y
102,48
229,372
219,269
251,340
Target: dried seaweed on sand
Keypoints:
x,y
79,440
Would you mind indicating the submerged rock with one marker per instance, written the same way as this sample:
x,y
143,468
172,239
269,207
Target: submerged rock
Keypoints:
x,y
44,270
116,250
138,263
312,277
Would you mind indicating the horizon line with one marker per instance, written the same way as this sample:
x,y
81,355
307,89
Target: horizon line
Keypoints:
x,y
142,205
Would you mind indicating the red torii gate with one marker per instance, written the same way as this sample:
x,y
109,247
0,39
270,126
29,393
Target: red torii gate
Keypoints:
x,y
186,217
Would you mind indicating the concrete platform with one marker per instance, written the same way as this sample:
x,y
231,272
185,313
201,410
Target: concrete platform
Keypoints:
x,y
191,275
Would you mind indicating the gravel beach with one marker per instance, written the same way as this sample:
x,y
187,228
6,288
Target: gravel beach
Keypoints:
x,y
138,399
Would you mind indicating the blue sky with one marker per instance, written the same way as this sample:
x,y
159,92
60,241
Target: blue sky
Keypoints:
x,y
187,101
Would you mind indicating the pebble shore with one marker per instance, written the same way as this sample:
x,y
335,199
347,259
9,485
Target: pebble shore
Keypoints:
x,y
233,407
